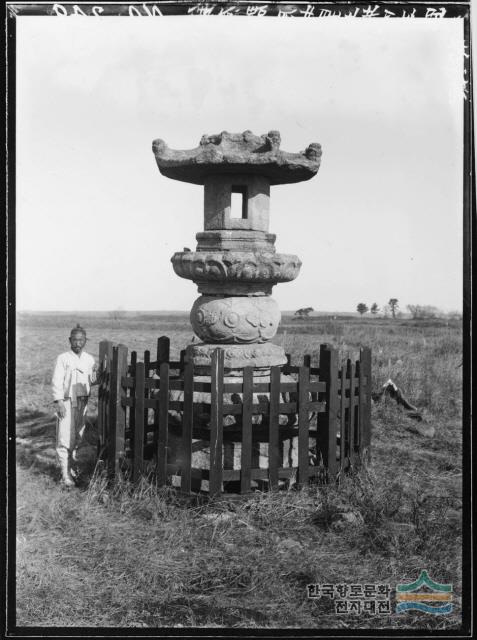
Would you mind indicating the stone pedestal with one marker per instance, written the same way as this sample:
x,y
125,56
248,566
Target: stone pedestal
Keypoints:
x,y
235,264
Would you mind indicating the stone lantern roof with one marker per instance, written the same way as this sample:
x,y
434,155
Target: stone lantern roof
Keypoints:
x,y
238,153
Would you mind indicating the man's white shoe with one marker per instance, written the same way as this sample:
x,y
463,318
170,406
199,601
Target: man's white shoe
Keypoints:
x,y
68,483
66,478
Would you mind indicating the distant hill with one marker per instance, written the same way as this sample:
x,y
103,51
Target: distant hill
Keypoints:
x,y
103,314
328,314
163,312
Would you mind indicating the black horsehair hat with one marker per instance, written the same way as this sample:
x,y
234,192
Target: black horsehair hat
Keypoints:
x,y
78,329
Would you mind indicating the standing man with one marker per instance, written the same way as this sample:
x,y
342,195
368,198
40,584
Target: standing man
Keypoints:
x,y
75,372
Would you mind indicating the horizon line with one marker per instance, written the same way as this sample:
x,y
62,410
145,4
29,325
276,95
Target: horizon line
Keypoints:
x,y
187,311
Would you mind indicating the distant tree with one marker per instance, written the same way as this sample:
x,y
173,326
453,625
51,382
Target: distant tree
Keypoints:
x,y
117,314
454,315
362,308
374,308
432,312
423,312
304,312
393,305
413,310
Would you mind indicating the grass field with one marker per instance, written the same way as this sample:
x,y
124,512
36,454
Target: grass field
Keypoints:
x,y
141,557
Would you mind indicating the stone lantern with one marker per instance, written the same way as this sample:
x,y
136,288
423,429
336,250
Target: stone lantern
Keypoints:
x,y
235,264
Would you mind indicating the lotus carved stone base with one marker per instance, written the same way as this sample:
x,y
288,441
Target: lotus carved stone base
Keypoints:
x,y
236,268
237,356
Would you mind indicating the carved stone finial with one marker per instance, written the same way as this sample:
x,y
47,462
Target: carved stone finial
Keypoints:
x,y
274,139
313,151
158,146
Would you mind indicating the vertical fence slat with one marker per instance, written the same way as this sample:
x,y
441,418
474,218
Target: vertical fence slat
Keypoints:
x,y
352,402
162,355
273,427
117,413
133,361
121,414
182,357
216,422
139,376
105,357
343,435
365,403
132,414
113,389
303,425
187,420
106,423
101,394
147,362
357,423
246,454
287,365
326,435
162,352
163,416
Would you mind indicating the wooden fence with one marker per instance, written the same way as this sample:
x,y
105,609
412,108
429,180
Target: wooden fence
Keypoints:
x,y
329,405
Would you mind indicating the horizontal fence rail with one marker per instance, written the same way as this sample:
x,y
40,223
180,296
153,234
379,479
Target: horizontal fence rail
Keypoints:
x,y
155,415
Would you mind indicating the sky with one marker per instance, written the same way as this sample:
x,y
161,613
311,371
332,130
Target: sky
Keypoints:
x,y
97,223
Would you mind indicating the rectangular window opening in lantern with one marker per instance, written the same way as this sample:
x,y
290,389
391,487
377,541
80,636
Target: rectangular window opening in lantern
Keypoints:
x,y
238,205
